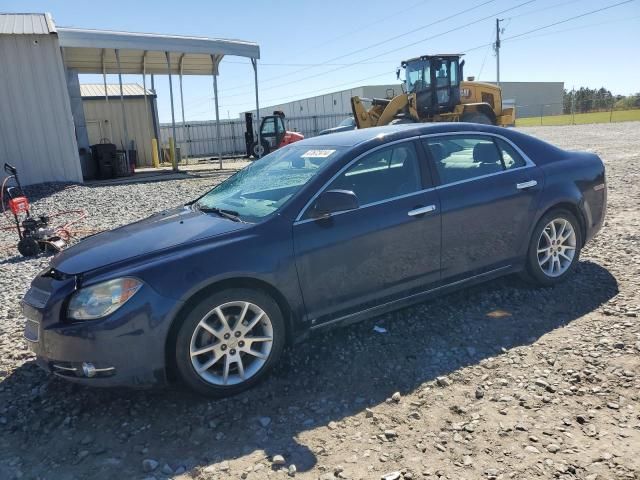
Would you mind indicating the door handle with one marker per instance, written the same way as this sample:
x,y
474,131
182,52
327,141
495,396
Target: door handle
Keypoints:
x,y
421,211
525,185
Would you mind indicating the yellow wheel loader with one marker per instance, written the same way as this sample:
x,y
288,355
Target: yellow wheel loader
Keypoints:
x,y
435,92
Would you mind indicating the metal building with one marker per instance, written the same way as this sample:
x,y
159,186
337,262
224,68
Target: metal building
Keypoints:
x,y
43,129
529,98
103,117
37,132
534,98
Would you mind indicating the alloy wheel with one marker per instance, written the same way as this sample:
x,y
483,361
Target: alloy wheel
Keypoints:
x,y
556,247
231,343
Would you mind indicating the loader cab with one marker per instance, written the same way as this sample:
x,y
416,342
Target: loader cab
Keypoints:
x,y
435,81
272,130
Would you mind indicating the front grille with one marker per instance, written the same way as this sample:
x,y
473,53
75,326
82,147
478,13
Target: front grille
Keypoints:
x,y
36,297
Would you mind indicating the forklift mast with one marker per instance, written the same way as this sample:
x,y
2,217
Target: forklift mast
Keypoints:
x,y
248,132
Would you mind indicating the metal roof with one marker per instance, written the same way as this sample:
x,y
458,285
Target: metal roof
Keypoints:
x,y
93,51
89,90
26,24
88,50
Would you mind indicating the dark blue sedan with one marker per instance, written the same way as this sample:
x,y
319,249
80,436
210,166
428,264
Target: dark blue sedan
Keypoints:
x,y
325,231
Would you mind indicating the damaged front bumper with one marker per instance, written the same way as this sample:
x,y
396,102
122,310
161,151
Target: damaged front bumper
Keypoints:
x,y
126,348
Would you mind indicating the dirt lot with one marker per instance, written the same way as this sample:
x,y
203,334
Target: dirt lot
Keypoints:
x,y
550,390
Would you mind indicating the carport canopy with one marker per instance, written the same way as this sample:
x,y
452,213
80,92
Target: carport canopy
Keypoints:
x,y
93,51
105,52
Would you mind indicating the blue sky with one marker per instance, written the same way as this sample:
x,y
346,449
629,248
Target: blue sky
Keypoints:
x,y
371,37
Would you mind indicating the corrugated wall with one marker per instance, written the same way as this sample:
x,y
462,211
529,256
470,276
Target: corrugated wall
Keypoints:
x,y
198,139
104,120
36,126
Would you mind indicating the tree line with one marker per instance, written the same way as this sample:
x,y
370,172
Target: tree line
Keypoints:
x,y
589,99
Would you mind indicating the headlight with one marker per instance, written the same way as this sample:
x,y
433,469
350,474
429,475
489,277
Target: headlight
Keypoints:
x,y
102,299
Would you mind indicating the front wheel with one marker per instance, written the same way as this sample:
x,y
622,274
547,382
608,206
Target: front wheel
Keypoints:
x,y
260,150
229,342
554,248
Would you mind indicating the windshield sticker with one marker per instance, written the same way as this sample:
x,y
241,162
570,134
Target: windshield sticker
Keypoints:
x,y
317,153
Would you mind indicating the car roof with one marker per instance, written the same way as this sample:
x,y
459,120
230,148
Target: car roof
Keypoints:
x,y
397,132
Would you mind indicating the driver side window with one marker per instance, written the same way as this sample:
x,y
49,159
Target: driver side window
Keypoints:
x,y
382,175
269,127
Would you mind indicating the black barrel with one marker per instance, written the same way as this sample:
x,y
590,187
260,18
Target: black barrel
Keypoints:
x,y
104,156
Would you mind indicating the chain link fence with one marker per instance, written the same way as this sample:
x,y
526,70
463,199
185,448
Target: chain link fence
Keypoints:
x,y
590,110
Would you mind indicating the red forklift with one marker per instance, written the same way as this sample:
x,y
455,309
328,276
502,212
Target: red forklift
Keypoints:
x,y
273,135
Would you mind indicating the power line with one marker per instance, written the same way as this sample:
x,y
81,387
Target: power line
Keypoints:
x,y
366,27
486,54
523,14
305,64
390,51
517,36
570,19
378,43
590,25
551,25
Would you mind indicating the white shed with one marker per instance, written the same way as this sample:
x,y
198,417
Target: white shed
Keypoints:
x,y
103,117
36,125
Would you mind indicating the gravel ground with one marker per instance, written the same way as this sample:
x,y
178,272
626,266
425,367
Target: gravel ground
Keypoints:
x,y
548,390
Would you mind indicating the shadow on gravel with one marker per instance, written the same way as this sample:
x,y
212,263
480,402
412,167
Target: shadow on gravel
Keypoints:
x,y
332,376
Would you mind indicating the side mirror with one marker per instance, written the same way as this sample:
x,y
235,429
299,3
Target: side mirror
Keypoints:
x,y
333,201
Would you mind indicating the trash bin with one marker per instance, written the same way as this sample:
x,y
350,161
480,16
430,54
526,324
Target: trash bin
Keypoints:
x,y
104,157
122,167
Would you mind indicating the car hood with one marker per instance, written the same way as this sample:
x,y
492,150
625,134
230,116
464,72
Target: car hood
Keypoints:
x,y
158,232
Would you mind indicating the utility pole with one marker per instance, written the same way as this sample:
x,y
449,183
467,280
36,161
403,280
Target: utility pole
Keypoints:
x,y
496,46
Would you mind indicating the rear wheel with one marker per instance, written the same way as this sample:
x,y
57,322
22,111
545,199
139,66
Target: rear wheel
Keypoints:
x,y
554,248
28,247
476,117
229,342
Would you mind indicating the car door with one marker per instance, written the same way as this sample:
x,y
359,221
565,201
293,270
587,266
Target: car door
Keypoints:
x,y
386,249
269,132
488,193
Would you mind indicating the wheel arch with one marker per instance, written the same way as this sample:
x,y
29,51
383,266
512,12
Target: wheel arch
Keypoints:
x,y
574,209
484,108
196,297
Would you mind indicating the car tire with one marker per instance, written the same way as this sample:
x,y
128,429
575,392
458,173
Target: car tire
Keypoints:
x,y
553,250
477,117
217,358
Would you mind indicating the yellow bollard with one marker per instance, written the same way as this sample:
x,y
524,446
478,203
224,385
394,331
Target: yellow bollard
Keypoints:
x,y
154,153
172,153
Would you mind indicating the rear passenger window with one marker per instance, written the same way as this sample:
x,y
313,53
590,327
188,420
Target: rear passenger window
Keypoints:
x,y
381,175
459,157
510,157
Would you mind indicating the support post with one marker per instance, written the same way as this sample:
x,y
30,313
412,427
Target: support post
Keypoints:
x,y
146,106
214,71
172,147
104,79
156,127
497,46
124,115
183,151
254,63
